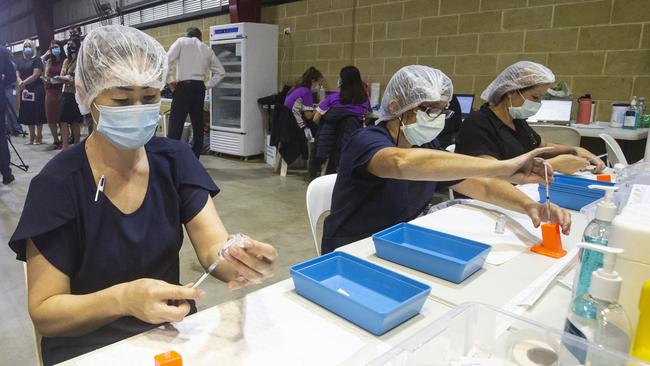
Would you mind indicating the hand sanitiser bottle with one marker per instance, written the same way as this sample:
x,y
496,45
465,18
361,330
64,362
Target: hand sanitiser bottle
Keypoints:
x,y
600,318
612,326
597,232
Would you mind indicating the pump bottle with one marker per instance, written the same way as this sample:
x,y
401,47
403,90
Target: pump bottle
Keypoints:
x,y
596,232
607,324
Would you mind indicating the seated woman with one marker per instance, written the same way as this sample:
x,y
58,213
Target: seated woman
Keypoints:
x,y
292,126
499,129
300,100
351,96
389,172
102,253
341,113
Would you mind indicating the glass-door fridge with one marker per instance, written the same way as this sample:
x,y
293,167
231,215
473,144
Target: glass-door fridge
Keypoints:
x,y
249,55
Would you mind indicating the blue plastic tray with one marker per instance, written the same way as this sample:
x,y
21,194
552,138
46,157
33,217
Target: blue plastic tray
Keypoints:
x,y
442,255
572,192
366,294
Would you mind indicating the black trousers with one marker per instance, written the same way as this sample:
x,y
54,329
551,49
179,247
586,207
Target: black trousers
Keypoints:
x,y
188,98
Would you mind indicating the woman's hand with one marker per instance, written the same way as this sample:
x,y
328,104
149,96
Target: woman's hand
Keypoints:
x,y
568,164
528,168
538,214
592,159
254,262
149,300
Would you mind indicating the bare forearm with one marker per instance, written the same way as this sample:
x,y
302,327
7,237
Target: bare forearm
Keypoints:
x,y
74,315
495,191
559,150
432,165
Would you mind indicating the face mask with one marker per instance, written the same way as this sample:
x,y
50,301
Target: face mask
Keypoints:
x,y
28,51
315,89
128,127
56,52
72,49
425,128
528,109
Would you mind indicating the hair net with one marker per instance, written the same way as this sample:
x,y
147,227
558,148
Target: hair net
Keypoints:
x,y
517,76
412,85
115,55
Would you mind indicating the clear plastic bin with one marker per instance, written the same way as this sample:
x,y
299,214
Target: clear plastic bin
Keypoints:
x,y
476,334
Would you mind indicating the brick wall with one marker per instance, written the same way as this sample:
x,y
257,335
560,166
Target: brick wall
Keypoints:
x,y
596,46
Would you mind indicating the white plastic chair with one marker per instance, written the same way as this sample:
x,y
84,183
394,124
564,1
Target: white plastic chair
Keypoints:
x,y
614,153
319,201
37,336
558,134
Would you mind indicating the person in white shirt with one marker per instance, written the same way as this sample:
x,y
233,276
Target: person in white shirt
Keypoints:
x,y
193,59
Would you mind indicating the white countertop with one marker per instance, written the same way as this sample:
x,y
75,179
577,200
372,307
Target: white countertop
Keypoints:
x,y
276,326
592,130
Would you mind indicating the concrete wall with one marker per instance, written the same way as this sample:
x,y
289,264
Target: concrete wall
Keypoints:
x,y
601,47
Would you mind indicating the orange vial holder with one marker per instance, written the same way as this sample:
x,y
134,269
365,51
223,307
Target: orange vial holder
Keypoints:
x,y
170,358
551,245
604,178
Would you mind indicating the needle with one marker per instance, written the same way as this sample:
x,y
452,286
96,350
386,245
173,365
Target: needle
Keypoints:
x,y
212,267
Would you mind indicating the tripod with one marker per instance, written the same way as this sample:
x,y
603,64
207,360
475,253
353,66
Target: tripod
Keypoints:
x,y
22,166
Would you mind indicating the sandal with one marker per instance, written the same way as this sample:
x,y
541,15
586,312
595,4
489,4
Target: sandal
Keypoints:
x,y
29,143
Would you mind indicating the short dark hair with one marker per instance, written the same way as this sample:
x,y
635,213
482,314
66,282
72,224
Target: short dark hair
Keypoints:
x,y
194,32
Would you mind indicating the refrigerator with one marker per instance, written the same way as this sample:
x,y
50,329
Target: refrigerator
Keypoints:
x,y
249,55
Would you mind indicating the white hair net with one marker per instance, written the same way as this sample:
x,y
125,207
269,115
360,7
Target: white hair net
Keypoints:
x,y
115,55
517,76
412,85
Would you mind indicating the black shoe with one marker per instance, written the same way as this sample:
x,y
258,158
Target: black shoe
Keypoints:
x,y
8,180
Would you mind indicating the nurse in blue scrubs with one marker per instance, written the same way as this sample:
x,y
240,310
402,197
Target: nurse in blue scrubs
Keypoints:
x,y
103,221
390,171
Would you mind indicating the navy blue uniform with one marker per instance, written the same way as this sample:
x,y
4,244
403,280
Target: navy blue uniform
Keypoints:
x,y
96,245
362,203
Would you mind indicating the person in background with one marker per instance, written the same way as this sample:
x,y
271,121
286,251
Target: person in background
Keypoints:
x,y
71,118
334,132
32,95
452,125
351,96
300,100
193,60
53,90
389,172
104,265
7,76
499,129
13,127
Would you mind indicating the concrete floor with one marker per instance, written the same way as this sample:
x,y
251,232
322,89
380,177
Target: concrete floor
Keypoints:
x,y
253,200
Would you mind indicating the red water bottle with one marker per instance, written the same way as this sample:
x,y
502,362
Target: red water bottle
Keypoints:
x,y
584,109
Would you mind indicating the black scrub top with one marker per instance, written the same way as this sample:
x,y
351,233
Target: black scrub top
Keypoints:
x,y
483,133
362,203
98,246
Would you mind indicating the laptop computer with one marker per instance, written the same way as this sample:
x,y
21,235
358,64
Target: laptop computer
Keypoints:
x,y
553,112
466,101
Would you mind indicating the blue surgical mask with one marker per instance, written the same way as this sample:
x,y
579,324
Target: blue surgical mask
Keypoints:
x,y
425,128
526,110
128,127
28,51
56,52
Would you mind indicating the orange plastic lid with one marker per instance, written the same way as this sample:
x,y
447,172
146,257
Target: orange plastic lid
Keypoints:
x,y
170,358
